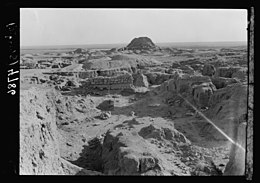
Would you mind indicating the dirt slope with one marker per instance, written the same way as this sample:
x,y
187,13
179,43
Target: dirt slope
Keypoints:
x,y
39,145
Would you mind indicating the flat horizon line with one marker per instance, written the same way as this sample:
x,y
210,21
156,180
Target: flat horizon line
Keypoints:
x,y
128,43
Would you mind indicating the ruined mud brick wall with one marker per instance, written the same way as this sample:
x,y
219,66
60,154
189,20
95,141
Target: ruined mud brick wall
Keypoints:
x,y
29,65
114,71
183,83
61,73
93,73
197,88
87,74
106,72
117,82
82,75
114,86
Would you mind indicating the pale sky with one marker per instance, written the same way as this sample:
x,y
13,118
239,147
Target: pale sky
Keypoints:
x,y
60,26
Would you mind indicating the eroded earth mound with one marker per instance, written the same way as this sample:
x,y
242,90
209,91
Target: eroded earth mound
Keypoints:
x,y
141,43
39,137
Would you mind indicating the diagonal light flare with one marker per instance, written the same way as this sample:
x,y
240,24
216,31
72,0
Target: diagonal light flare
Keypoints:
x,y
209,121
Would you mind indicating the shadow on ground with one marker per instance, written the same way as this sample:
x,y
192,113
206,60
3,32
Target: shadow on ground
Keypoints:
x,y
90,156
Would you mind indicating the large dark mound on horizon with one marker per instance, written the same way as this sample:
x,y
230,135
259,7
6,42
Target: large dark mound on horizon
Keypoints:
x,y
141,43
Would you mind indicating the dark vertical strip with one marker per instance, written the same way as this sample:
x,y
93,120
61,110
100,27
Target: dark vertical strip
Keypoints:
x,y
249,149
11,87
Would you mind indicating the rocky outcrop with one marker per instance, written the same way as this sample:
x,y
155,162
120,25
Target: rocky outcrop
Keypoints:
x,y
106,105
126,152
208,70
202,93
105,115
155,132
119,159
141,43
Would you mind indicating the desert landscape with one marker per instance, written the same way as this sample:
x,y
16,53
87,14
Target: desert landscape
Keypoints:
x,y
138,109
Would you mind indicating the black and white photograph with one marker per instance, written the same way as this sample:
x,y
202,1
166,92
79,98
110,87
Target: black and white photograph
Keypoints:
x,y
134,92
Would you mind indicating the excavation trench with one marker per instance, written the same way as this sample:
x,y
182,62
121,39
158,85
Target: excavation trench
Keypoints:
x,y
91,156
104,154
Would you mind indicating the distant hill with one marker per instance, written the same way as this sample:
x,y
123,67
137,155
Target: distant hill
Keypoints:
x,y
32,49
141,43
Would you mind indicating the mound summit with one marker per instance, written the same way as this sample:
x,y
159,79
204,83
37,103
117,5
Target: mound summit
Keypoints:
x,y
141,43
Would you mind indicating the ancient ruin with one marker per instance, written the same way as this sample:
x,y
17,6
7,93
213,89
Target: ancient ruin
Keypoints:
x,y
137,110
141,43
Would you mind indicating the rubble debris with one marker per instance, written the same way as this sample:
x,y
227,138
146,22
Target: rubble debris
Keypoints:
x,y
106,105
105,115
